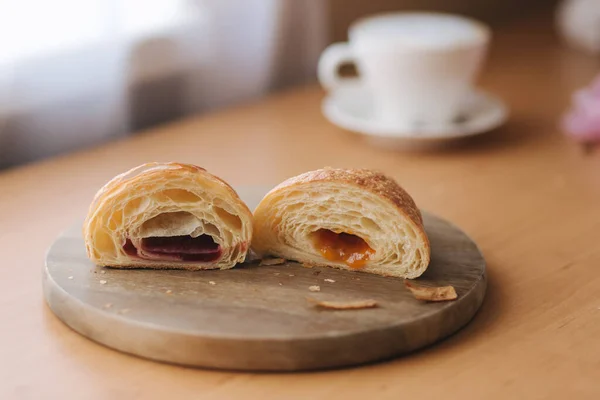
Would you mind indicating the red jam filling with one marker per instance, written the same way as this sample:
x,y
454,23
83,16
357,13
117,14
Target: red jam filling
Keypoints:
x,y
185,248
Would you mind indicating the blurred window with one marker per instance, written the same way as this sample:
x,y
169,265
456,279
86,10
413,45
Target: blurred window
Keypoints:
x,y
34,28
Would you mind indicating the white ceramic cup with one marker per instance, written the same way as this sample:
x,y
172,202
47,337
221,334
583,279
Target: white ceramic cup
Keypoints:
x,y
417,66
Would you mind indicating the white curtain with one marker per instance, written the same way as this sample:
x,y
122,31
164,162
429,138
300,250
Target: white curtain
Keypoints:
x,y
74,73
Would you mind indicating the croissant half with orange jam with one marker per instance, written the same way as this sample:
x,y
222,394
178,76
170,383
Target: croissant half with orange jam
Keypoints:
x,y
344,218
167,215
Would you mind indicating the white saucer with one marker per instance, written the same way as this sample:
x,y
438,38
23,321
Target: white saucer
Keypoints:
x,y
351,108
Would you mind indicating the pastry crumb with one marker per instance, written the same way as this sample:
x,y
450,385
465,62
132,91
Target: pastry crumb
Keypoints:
x,y
103,272
169,291
280,284
428,293
212,282
70,277
276,273
314,288
291,275
103,282
344,305
272,261
329,280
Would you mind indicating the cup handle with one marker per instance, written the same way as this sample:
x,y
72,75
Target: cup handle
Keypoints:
x,y
329,64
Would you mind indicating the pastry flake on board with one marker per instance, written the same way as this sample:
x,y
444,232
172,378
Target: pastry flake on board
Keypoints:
x,y
344,305
428,293
271,261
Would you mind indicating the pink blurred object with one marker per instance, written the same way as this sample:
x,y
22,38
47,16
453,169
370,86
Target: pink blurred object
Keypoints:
x,y
582,121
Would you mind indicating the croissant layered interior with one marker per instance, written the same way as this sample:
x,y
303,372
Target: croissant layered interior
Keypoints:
x,y
326,222
168,216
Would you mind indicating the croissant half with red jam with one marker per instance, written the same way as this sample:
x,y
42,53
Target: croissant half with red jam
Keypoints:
x,y
167,215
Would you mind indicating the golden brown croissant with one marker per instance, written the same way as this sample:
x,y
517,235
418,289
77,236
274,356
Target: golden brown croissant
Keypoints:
x,y
167,215
349,219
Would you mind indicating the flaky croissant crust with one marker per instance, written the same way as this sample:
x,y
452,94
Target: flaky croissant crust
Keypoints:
x,y
122,209
365,203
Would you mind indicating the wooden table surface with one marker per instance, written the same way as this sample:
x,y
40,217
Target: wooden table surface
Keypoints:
x,y
530,198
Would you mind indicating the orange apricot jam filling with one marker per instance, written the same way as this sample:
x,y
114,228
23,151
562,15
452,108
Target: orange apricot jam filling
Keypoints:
x,y
345,247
